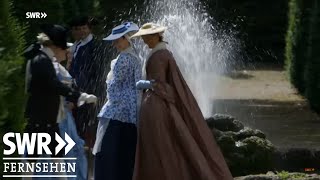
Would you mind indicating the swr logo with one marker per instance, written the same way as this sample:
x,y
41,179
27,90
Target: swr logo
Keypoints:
x,y
35,15
42,139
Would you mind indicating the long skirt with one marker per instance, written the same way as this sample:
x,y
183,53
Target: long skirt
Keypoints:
x,y
86,123
115,161
40,126
171,146
68,126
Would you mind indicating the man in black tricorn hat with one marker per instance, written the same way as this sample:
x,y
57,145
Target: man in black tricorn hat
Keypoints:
x,y
45,89
89,68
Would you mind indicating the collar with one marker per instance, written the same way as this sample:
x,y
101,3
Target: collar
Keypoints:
x,y
158,47
48,52
130,50
86,40
73,47
81,43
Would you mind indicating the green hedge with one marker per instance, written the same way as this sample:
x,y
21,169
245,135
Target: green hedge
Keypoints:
x,y
11,70
302,49
295,61
313,64
260,24
12,98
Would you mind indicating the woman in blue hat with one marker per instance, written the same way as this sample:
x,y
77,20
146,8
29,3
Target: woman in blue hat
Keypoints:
x,y
115,144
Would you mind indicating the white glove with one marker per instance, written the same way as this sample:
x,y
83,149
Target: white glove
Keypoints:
x,y
86,98
144,84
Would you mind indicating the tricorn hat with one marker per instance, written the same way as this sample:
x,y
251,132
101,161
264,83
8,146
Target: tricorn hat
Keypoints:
x,y
56,33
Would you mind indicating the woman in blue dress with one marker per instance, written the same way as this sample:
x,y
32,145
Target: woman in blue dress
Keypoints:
x,y
67,125
116,138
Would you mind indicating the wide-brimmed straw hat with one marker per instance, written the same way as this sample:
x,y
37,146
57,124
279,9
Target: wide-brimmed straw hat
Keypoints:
x,y
149,28
121,30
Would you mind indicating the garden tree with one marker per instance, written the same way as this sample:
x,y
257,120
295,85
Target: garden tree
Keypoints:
x,y
293,38
312,68
302,46
262,31
113,12
73,8
11,72
261,25
53,9
11,69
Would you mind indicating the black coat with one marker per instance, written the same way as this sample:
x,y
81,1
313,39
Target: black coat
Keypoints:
x,y
89,68
44,91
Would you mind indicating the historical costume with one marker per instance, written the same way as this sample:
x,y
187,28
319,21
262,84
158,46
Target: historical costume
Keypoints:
x,y
116,134
174,141
67,125
44,88
88,69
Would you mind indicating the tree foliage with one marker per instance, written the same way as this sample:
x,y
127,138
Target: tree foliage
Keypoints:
x,y
11,73
302,49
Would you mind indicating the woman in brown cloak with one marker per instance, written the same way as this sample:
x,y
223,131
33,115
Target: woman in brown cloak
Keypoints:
x,y
174,141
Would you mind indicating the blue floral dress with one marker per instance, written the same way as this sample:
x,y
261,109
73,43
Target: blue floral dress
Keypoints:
x,y
116,138
123,98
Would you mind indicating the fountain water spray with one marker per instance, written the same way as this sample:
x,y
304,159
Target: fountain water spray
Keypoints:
x,y
201,50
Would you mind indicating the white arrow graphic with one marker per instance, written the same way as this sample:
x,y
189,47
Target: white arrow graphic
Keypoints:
x,y
43,15
70,142
61,143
